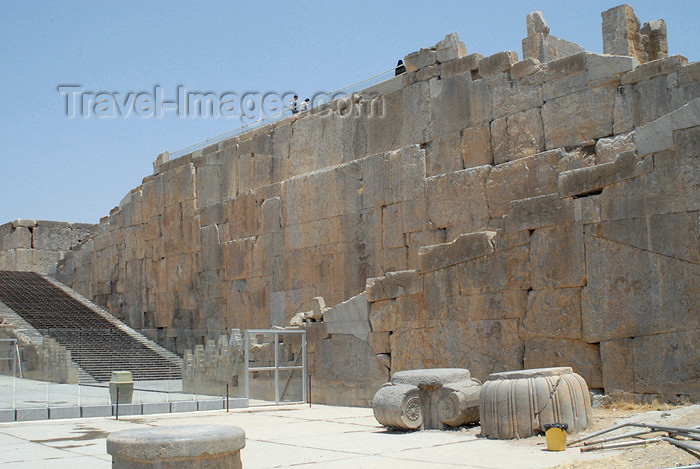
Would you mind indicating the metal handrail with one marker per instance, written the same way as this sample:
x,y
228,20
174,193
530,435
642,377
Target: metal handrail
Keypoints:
x,y
264,120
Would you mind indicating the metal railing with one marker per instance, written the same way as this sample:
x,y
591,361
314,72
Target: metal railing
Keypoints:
x,y
331,96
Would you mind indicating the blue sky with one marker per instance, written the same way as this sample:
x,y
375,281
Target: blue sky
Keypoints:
x,y
76,169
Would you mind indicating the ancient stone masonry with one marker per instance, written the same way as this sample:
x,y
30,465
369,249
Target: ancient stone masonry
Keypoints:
x,y
38,245
511,213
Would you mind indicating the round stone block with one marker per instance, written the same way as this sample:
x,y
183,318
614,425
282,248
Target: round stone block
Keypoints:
x,y
518,404
399,406
191,446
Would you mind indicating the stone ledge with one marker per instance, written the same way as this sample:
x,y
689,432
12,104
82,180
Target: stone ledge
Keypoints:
x,y
654,69
393,285
578,182
465,247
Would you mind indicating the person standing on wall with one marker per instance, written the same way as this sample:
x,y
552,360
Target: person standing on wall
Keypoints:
x,y
306,105
295,104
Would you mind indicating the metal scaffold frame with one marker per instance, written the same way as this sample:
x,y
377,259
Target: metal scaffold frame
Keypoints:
x,y
277,368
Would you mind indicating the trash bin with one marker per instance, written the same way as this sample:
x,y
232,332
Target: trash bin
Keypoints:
x,y
555,433
123,381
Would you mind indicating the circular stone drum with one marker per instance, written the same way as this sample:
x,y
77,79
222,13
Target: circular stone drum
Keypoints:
x,y
191,446
518,404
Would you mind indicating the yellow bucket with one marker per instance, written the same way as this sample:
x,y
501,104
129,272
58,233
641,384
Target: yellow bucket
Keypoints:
x,y
555,433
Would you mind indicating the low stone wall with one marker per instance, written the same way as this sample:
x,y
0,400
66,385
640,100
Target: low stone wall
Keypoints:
x,y
37,246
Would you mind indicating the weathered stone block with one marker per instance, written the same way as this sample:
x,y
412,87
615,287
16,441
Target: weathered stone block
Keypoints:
x,y
444,155
583,181
538,212
654,69
497,63
509,304
350,317
633,286
500,271
657,136
557,257
450,48
476,146
667,363
514,96
607,149
457,102
522,179
458,197
617,361
517,136
394,284
482,345
461,66
346,366
578,117
554,313
379,342
465,247
582,357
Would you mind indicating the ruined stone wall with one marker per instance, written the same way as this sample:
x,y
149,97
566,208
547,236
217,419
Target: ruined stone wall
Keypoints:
x,y
584,167
37,246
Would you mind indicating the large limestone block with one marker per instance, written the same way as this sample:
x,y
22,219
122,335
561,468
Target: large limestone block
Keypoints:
x,y
669,188
417,122
657,136
620,30
541,352
444,154
513,96
675,235
20,238
516,136
393,285
539,212
52,236
346,371
607,149
509,304
652,99
497,63
641,292
457,102
464,248
668,363
617,361
578,117
521,179
407,173
557,257
450,48
476,146
383,129
483,346
458,198
518,404
350,317
584,181
654,69
507,269
554,313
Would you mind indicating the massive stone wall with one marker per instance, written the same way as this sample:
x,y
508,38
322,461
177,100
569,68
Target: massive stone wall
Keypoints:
x,y
578,179
37,246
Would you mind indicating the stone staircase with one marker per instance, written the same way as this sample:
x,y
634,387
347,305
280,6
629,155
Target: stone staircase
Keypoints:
x,y
97,341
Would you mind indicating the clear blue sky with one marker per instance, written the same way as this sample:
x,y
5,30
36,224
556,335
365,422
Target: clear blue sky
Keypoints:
x,y
77,169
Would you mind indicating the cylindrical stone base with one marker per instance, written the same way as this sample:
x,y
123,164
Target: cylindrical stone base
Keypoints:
x,y
518,404
192,446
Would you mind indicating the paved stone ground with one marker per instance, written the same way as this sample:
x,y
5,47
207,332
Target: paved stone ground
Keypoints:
x,y
316,437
